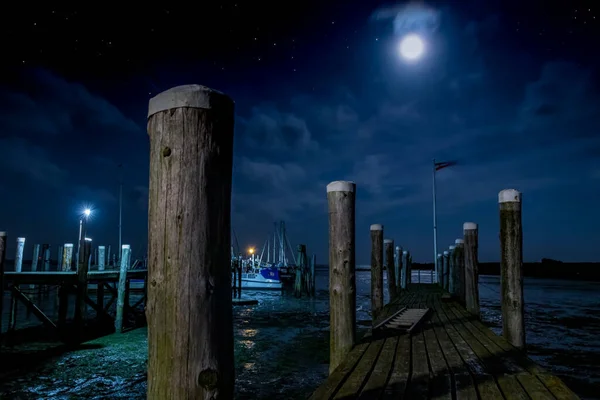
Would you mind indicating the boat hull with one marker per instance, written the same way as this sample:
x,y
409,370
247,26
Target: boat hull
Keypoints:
x,y
255,281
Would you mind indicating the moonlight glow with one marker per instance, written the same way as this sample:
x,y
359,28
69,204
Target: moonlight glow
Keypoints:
x,y
411,47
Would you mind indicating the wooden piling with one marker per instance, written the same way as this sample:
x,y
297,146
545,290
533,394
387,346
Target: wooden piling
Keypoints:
x,y
109,259
459,270
511,267
101,257
439,267
35,258
59,258
405,269
451,270
313,266
398,267
82,284
446,269
408,268
376,270
3,239
470,231
67,257
341,200
190,321
389,265
19,254
122,286
46,257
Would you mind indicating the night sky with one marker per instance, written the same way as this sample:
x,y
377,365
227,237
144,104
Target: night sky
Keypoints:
x,y
508,89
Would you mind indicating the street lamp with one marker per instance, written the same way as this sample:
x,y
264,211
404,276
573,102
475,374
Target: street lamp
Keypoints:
x,y
82,230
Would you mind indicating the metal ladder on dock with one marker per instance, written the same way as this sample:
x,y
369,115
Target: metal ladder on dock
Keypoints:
x,y
402,321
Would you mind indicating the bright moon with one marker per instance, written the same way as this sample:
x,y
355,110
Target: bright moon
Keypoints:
x,y
411,47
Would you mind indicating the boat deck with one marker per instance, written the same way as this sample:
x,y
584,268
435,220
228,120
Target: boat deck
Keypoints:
x,y
449,355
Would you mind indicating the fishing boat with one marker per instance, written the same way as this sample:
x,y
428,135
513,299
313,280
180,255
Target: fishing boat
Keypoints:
x,y
269,270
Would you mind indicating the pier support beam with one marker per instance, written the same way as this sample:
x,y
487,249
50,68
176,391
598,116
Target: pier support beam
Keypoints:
x,y
67,257
35,258
389,264
398,267
189,310
341,198
511,267
439,267
471,267
376,270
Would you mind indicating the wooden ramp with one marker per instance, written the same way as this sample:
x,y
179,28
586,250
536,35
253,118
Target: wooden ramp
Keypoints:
x,y
450,355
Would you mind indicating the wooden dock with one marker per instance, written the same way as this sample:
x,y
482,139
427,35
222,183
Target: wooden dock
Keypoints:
x,y
450,355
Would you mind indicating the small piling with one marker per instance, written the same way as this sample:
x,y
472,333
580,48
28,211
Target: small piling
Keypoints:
x,y
122,286
446,269
109,260
82,284
189,310
3,238
470,231
19,254
35,258
341,199
440,269
511,267
408,268
391,272
46,257
451,270
313,266
67,257
101,257
405,272
376,270
459,279
398,267
59,258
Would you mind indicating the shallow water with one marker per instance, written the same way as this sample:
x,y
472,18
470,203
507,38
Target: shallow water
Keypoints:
x,y
281,345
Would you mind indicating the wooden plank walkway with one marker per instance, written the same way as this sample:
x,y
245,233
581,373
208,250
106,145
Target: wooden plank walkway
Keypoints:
x,y
450,355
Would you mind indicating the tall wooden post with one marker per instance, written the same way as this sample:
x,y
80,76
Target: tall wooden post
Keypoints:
x,y
398,267
108,257
189,311
511,267
446,269
2,265
389,265
101,257
341,199
470,231
19,254
451,270
405,269
125,261
459,280
313,266
376,270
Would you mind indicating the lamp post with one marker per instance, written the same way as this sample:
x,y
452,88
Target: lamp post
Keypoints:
x,y
82,230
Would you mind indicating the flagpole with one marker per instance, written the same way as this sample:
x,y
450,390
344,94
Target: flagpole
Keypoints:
x,y
435,252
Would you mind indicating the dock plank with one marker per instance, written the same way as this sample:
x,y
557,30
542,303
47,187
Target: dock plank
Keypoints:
x,y
450,355
360,374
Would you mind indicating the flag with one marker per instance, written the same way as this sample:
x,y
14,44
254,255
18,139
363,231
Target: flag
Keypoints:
x,y
440,165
